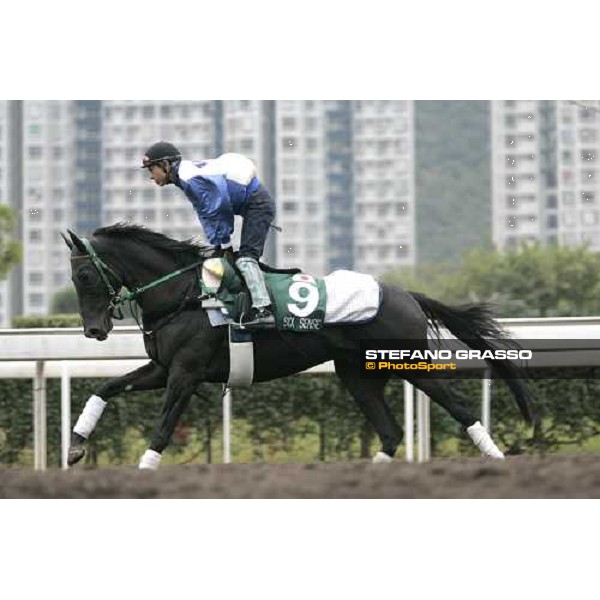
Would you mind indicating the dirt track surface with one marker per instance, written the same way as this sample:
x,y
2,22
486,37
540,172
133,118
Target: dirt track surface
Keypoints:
x,y
518,477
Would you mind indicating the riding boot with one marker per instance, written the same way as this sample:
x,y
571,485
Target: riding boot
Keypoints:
x,y
261,315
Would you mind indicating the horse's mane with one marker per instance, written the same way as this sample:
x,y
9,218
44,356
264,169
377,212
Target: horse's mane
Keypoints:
x,y
153,239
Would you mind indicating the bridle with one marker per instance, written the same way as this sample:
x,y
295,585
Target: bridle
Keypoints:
x,y
116,300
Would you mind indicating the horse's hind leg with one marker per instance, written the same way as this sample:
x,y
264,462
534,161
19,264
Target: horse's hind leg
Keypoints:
x,y
368,394
441,391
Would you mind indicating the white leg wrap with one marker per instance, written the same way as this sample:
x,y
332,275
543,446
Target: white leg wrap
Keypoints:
x,y
381,458
150,460
92,411
481,438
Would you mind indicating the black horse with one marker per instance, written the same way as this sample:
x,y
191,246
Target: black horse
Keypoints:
x,y
184,349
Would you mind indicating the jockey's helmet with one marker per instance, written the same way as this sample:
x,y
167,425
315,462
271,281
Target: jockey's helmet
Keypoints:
x,y
158,152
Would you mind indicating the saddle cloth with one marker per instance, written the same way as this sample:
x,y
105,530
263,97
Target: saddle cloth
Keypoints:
x,y
351,297
301,302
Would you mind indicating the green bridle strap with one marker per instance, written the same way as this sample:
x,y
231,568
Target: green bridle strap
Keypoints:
x,y
101,266
116,299
138,291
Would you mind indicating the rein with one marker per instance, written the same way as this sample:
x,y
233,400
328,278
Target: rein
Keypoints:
x,y
116,299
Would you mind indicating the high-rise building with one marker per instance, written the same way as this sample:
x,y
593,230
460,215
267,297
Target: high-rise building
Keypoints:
x,y
87,148
301,189
50,173
384,190
524,159
129,127
345,185
578,144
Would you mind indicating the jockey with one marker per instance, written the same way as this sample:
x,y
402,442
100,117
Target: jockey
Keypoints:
x,y
219,189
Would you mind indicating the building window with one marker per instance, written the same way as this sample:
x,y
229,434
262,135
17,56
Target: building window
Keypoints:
x,y
289,144
588,197
36,278
587,114
247,145
568,197
551,201
402,251
288,186
36,300
35,235
567,157
588,155
511,181
589,217
35,152
510,121
312,143
587,176
552,222
587,136
567,137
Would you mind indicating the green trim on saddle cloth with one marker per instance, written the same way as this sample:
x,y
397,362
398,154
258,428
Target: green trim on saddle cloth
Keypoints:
x,y
298,300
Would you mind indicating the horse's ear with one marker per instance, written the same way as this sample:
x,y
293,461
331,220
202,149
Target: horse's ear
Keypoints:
x,y
68,242
77,241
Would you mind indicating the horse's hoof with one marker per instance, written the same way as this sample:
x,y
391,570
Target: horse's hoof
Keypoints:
x,y
76,453
381,458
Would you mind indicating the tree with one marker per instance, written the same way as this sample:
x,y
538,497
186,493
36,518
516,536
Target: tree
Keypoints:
x,y
10,249
532,281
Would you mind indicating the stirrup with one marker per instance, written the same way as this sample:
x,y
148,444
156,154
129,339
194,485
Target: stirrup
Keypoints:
x,y
260,319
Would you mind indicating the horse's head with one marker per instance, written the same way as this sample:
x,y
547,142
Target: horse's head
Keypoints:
x,y
95,289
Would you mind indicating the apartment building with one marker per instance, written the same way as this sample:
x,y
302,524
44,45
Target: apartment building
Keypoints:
x,y
129,127
384,185
578,124
524,167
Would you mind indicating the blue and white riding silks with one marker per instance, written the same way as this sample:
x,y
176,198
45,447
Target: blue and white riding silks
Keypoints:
x,y
218,189
351,297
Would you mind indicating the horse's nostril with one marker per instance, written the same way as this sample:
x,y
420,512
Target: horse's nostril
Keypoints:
x,y
92,332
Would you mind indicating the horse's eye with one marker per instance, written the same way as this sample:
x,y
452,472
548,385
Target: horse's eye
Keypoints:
x,y
85,277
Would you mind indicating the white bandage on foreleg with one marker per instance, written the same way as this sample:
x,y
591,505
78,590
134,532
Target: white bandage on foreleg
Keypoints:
x,y
150,460
90,416
481,438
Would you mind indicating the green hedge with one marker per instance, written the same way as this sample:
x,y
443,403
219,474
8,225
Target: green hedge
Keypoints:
x,y
299,419
65,320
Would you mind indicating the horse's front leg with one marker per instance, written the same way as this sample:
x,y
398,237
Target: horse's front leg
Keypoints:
x,y
149,377
180,387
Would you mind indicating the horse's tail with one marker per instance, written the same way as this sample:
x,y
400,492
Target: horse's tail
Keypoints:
x,y
472,324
